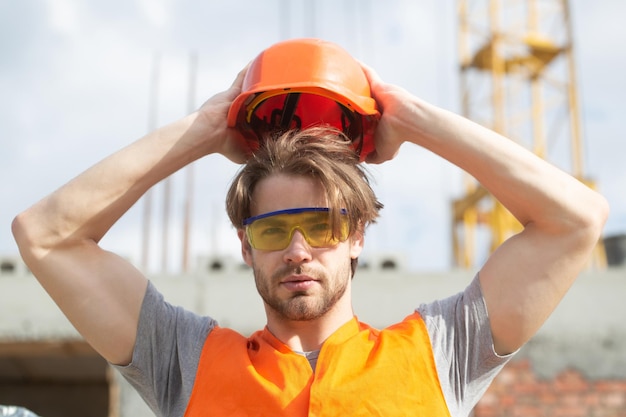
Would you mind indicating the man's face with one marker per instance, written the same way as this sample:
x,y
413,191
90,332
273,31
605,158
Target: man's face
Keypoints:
x,y
298,282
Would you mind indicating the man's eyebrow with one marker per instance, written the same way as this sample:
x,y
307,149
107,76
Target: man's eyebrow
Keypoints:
x,y
272,221
315,218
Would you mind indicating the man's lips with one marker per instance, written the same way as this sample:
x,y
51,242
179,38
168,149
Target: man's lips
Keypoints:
x,y
298,282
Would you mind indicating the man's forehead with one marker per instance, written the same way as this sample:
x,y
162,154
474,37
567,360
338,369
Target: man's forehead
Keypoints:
x,y
282,191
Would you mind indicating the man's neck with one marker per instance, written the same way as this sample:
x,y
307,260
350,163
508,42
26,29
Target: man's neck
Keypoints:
x,y
307,336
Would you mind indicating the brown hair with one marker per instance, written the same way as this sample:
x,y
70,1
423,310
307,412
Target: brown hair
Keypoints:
x,y
318,152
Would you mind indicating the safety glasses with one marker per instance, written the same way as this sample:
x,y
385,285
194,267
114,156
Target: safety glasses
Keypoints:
x,y
274,230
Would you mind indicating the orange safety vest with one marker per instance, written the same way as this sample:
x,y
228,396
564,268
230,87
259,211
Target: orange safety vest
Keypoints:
x,y
360,371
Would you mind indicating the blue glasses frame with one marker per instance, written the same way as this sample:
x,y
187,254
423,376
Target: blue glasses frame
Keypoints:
x,y
249,220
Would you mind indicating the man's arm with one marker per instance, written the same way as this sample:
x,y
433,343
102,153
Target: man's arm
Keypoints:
x,y
99,292
527,276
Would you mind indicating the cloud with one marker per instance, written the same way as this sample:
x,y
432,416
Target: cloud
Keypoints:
x,y
75,78
156,12
63,16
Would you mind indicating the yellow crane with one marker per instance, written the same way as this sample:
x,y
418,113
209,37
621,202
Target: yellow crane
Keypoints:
x,y
517,77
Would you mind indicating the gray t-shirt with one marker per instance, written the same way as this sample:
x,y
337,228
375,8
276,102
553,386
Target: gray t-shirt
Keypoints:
x,y
170,341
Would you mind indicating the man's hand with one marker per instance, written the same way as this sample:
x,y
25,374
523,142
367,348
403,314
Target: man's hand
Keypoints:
x,y
211,120
390,132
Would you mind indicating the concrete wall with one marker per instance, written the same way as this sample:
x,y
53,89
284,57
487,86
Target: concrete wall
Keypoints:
x,y
586,333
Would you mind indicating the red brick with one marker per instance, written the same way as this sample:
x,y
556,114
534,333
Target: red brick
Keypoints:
x,y
486,411
517,392
592,399
527,411
612,385
571,381
614,400
508,400
571,400
567,411
548,398
526,388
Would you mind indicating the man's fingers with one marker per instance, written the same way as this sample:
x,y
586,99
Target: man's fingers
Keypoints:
x,y
238,83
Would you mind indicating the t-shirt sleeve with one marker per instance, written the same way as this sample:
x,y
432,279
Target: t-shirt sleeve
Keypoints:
x,y
462,343
166,354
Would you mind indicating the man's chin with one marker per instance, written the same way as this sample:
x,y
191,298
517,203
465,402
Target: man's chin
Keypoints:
x,y
301,307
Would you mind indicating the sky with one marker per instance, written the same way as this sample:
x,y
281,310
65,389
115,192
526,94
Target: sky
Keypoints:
x,y
79,80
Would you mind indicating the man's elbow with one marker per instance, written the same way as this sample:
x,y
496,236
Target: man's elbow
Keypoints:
x,y
20,234
595,216
28,237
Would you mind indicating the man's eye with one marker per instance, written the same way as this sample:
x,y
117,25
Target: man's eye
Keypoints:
x,y
320,228
273,231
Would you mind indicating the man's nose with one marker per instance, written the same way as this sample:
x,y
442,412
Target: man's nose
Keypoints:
x,y
299,249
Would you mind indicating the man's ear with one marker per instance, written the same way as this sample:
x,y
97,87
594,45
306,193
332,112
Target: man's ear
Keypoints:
x,y
246,249
357,239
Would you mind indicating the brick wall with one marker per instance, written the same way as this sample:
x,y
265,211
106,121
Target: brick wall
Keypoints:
x,y
518,392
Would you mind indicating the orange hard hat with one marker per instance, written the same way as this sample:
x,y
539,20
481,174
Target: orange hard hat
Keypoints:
x,y
300,83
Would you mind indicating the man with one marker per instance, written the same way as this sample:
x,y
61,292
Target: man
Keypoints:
x,y
301,204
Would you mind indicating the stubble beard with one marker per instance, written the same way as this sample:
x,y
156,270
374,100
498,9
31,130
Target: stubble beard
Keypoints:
x,y
303,306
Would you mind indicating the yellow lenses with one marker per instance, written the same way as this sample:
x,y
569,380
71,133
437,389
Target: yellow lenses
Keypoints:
x,y
274,231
